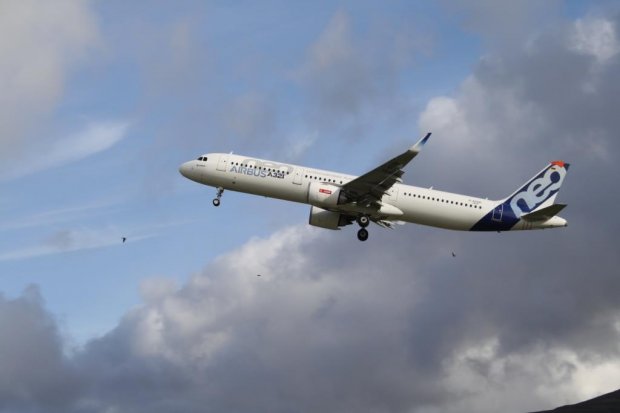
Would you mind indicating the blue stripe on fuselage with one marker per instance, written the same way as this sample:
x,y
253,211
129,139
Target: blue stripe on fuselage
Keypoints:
x,y
505,223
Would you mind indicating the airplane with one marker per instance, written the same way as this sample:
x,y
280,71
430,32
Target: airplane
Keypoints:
x,y
380,196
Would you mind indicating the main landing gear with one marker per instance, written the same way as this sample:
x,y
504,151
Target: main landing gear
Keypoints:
x,y
216,200
363,222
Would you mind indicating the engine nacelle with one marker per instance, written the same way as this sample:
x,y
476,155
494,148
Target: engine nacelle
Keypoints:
x,y
325,195
320,217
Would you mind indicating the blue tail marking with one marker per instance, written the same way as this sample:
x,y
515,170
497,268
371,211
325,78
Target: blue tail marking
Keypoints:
x,y
526,199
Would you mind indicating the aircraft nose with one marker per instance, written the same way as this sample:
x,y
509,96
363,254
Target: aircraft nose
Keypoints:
x,y
186,169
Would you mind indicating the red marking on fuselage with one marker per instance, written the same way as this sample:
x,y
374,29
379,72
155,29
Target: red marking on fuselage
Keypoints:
x,y
325,191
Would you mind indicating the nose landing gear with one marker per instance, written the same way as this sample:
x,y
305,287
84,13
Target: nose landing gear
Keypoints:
x,y
216,200
363,222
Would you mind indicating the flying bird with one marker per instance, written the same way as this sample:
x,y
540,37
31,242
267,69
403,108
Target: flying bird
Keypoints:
x,y
124,239
453,254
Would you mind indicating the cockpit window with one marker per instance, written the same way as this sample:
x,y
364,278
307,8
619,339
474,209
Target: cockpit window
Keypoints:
x,y
203,158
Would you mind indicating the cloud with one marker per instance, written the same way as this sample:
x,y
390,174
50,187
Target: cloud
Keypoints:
x,y
350,76
71,240
251,118
95,138
59,216
40,45
546,99
337,332
36,376
518,320
595,37
299,144
504,24
327,328
78,238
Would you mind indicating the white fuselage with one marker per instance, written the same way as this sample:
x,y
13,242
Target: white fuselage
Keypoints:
x,y
292,183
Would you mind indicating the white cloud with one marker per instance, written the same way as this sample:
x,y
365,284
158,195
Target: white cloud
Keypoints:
x,y
40,44
595,37
71,240
540,378
84,238
58,216
96,137
299,144
480,120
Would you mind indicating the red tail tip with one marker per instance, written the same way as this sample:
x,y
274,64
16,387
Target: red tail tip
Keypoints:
x,y
561,164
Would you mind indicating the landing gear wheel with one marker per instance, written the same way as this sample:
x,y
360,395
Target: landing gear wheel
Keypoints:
x,y
363,221
362,234
216,201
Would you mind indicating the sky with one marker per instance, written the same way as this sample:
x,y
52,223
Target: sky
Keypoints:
x,y
103,100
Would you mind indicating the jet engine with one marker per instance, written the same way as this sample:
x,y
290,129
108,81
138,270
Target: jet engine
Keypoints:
x,y
325,195
320,217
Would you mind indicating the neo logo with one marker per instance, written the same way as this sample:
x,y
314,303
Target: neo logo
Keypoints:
x,y
538,191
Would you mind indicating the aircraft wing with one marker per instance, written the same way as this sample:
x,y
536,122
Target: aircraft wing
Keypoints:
x,y
368,189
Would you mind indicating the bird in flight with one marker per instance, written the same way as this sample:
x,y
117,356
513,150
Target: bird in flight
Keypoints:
x,y
124,239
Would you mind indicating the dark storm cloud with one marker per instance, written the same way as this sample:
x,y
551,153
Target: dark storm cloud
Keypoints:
x,y
35,375
313,333
554,97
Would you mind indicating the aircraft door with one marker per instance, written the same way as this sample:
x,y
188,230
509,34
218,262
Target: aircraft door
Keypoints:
x,y
297,176
498,212
393,193
222,163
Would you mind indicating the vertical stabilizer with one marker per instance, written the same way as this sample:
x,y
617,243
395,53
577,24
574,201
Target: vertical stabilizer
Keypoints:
x,y
536,194
540,191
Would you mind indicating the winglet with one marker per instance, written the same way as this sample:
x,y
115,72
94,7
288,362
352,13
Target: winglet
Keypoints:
x,y
420,143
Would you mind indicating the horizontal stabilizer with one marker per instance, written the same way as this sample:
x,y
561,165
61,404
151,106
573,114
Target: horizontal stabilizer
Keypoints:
x,y
545,213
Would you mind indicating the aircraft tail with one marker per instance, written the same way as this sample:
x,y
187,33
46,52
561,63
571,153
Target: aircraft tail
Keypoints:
x,y
531,206
539,192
